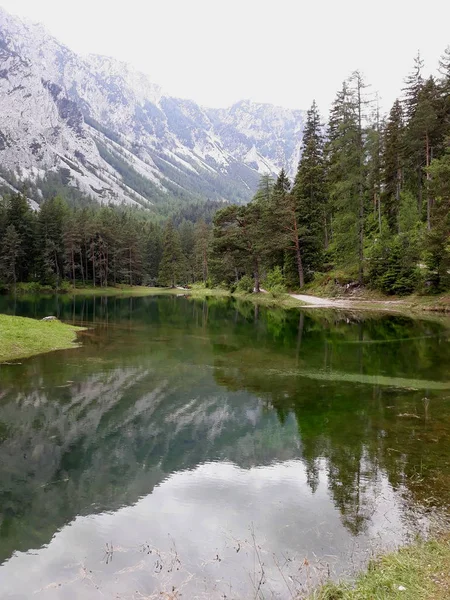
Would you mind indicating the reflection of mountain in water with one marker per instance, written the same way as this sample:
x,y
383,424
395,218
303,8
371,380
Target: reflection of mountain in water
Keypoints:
x,y
162,385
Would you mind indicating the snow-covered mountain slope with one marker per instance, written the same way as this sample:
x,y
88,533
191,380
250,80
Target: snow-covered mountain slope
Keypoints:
x,y
105,130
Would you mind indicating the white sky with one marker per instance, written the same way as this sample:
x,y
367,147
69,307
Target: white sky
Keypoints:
x,y
285,52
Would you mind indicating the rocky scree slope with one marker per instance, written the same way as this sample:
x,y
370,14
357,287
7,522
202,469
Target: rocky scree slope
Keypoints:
x,y
97,127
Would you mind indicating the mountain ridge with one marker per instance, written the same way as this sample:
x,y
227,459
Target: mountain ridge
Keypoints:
x,y
99,126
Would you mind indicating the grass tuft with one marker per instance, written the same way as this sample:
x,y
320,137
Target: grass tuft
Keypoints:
x,y
420,571
21,337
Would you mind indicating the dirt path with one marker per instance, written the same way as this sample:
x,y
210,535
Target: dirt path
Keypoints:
x,y
311,301
315,301
354,303
439,305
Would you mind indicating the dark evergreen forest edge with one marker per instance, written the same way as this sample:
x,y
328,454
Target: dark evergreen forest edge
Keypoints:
x,y
369,207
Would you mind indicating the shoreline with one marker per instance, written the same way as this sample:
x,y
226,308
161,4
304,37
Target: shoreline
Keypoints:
x,y
411,304
21,337
366,301
417,571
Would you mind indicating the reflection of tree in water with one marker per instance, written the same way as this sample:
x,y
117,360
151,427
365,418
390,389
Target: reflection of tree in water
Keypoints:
x,y
146,397
359,431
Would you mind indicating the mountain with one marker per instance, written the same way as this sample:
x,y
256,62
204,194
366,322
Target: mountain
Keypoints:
x,y
94,126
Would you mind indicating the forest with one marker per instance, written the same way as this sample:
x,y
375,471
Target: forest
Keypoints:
x,y
369,206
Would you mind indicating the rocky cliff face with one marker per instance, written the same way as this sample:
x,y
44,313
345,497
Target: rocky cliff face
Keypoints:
x,y
96,125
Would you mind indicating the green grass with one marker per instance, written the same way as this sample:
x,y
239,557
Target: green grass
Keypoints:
x,y
364,299
280,300
195,291
420,571
21,337
121,290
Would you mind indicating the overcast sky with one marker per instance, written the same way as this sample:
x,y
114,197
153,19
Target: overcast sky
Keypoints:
x,y
285,52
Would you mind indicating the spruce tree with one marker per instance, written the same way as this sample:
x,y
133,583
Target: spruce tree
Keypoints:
x,y
392,165
437,242
172,266
20,215
11,255
413,87
310,195
202,250
344,169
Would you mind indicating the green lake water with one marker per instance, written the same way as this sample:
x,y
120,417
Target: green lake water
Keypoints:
x,y
217,450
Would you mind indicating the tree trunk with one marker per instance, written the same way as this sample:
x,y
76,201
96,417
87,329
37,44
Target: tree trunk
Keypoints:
x,y
360,191
106,267
93,262
427,162
86,264
73,266
205,265
298,254
131,275
81,267
256,267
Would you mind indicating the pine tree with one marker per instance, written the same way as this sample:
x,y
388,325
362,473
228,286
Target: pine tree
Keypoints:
x,y
11,252
187,240
277,212
423,128
172,266
392,161
437,241
374,167
201,250
20,215
344,168
153,252
358,82
309,196
240,238
72,246
50,235
413,87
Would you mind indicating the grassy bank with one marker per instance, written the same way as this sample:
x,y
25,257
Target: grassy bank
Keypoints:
x,y
195,291
21,337
353,299
417,572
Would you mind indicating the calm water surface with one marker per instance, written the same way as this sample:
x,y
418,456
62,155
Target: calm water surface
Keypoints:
x,y
216,450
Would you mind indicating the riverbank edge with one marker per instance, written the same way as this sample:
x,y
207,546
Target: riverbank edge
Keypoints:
x,y
365,300
21,337
412,303
419,571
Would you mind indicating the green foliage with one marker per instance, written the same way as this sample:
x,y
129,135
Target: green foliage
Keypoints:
x,y
370,202
437,241
11,254
245,285
416,571
96,245
275,282
393,259
172,266
23,337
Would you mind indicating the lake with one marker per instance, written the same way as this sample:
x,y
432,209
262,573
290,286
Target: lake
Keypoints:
x,y
213,449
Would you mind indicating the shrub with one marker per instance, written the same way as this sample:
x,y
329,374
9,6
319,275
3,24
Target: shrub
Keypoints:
x,y
275,282
245,284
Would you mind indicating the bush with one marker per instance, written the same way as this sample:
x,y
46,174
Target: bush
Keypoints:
x,y
275,282
245,284
392,267
65,286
